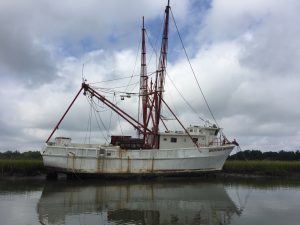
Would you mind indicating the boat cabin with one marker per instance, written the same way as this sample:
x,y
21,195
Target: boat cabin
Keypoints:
x,y
205,136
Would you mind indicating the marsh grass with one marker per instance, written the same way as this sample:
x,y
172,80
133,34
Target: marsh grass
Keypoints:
x,y
20,167
280,168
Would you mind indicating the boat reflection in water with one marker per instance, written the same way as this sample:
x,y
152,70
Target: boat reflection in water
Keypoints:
x,y
172,202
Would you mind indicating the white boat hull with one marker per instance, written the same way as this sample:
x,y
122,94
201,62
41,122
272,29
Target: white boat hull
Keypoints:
x,y
112,160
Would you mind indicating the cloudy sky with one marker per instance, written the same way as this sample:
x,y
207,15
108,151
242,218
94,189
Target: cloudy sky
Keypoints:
x,y
245,54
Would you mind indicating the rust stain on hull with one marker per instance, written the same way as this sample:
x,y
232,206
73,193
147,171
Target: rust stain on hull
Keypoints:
x,y
128,164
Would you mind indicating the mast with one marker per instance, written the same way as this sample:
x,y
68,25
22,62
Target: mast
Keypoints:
x,y
143,84
151,96
160,76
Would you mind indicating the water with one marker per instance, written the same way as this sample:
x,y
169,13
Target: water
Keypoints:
x,y
189,201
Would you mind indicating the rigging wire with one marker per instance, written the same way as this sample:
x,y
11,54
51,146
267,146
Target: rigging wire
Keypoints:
x,y
121,78
109,125
89,125
154,50
120,125
90,101
126,86
114,99
100,121
184,99
94,105
112,89
188,59
136,59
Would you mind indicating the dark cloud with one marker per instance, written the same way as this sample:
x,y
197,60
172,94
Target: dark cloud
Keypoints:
x,y
26,62
23,56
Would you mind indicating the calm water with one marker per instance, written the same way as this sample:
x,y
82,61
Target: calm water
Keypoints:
x,y
190,201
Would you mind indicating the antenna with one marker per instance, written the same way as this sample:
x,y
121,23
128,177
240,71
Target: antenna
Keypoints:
x,y
82,73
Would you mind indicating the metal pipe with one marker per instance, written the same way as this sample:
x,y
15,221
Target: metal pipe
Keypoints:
x,y
56,127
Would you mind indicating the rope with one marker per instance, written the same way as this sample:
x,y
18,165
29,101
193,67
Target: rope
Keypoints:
x,y
188,59
126,86
155,46
100,121
121,78
90,101
184,99
136,58
109,125
120,125
114,99
88,124
154,51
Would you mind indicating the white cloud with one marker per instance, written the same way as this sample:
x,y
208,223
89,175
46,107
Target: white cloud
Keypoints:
x,y
245,55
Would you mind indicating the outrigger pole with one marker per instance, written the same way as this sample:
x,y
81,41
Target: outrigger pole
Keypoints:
x,y
150,136
137,125
57,125
193,140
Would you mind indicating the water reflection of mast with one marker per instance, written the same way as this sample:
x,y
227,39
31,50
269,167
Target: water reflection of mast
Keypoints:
x,y
152,203
242,204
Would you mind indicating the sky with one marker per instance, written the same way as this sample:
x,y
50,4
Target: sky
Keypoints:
x,y
245,55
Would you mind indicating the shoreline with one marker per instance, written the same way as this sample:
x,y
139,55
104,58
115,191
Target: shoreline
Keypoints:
x,y
233,169
219,175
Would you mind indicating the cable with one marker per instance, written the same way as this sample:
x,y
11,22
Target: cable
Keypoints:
x,y
88,132
156,42
184,99
97,88
121,78
109,125
153,49
101,123
136,58
211,113
90,101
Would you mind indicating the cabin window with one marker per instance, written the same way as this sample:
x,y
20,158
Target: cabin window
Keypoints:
x,y
165,139
174,140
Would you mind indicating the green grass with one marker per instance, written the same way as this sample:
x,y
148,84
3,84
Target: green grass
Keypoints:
x,y
266,167
20,167
10,167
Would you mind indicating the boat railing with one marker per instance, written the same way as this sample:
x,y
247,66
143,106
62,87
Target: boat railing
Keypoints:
x,y
215,142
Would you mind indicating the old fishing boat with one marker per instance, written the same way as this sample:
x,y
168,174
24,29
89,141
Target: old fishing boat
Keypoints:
x,y
192,149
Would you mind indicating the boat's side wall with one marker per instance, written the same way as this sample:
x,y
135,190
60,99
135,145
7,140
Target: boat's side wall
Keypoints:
x,y
117,161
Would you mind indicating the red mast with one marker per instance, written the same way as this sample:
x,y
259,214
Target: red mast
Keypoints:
x,y
152,96
160,76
